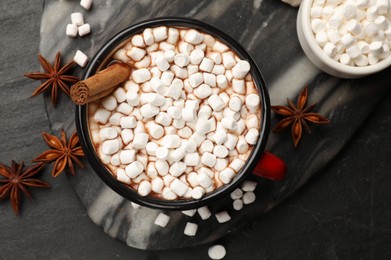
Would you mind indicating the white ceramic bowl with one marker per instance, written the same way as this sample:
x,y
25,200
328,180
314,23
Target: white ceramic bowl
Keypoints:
x,y
315,53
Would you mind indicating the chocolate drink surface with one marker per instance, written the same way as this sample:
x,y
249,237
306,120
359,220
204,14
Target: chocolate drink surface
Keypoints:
x,y
185,122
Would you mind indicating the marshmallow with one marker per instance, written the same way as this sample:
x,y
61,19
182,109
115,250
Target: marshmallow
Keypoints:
x,y
206,65
226,175
151,148
237,204
148,37
80,58
177,169
204,212
178,187
330,49
163,119
354,27
190,212
249,185
209,79
166,78
138,41
238,86
220,136
376,48
182,60
189,114
194,37
77,19
204,180
162,153
171,141
229,123
203,126
185,47
206,146
185,132
110,147
192,159
237,164
221,164
231,141
107,133
122,177
321,38
344,59
371,29
382,22
248,197
71,30
236,194
220,151
177,154
208,159
160,33
127,156
149,111
205,111
115,119
361,60
222,81
115,160
228,60
219,47
196,56
136,53
141,75
241,69
162,63
144,188
216,103
175,89
252,102
156,131
127,136
128,122
162,167
124,108
174,112
222,217
140,140
86,4
197,192
196,79
152,98
162,220
203,91
134,169
158,85
383,6
173,35
168,194
218,69
132,98
190,229
252,136
235,103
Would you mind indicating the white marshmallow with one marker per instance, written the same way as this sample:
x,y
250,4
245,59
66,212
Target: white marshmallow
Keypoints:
x,y
77,19
189,114
354,27
185,132
124,108
249,185
128,122
236,194
80,58
196,56
203,126
115,119
171,141
86,4
208,159
149,111
190,212
204,212
185,47
248,197
174,112
168,194
194,37
110,147
371,29
222,216
181,59
237,204
127,156
151,148
173,35
160,33
321,38
220,136
148,37
177,155
152,98
177,169
115,160
127,136
196,79
209,79
175,89
205,111
222,81
178,187
218,69
206,146
239,86
122,177
229,123
163,119
190,229
252,136
228,60
382,22
162,220
344,59
134,169
136,53
220,151
219,47
206,65
140,140
361,60
144,188
197,192
107,133
376,48
231,141
235,103
203,91
383,6
156,131
141,75
162,167
204,180
71,30
192,159
216,103
162,153
226,175
241,69
162,63
333,36
132,98
237,164
330,49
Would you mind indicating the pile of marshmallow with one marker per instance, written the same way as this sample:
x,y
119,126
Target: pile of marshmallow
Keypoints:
x,y
185,122
353,32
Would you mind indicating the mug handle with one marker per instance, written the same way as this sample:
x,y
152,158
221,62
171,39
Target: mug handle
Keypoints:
x,y
270,167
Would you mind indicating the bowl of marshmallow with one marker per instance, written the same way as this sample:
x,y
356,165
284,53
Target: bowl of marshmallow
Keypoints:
x,y
189,123
346,38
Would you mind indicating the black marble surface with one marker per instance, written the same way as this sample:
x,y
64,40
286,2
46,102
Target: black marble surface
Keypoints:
x,y
341,213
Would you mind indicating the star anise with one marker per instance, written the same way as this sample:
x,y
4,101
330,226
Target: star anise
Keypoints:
x,y
63,153
54,77
298,115
16,181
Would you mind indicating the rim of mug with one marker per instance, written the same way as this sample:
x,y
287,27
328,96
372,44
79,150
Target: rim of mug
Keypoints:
x,y
178,204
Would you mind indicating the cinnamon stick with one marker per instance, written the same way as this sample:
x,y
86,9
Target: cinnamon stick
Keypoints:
x,y
99,85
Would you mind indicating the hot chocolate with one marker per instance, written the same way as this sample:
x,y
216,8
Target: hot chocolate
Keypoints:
x,y
185,122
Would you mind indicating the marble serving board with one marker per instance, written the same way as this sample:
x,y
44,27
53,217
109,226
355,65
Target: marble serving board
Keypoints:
x,y
267,30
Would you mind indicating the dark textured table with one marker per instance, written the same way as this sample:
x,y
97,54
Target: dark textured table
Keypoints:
x,y
341,213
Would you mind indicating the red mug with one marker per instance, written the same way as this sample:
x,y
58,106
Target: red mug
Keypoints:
x,y
259,162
